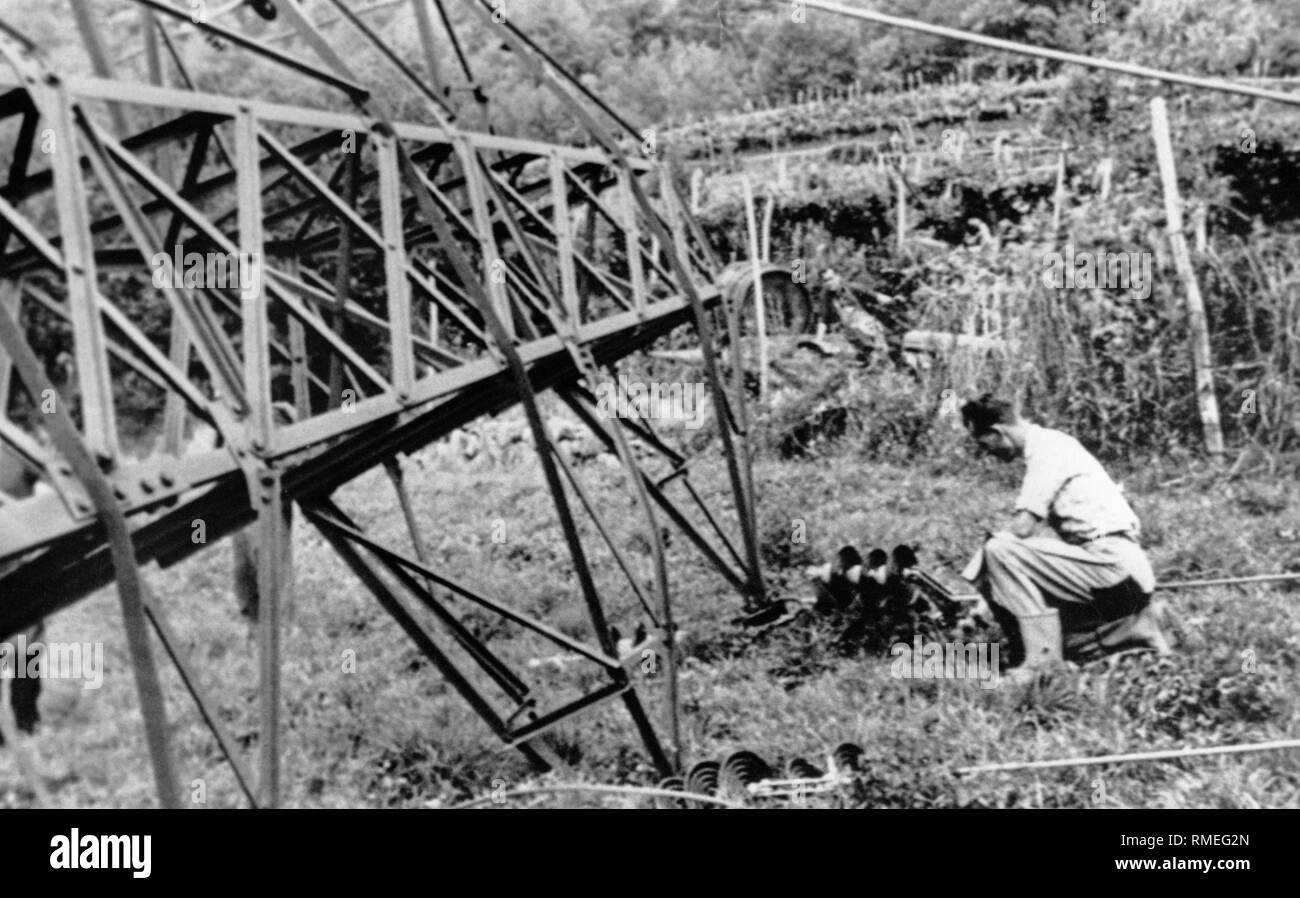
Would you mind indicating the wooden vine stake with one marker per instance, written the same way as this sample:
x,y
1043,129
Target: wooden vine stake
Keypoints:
x,y
767,227
901,190
1058,198
1197,325
760,311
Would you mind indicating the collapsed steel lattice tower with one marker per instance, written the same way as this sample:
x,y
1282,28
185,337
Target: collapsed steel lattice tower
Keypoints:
x,y
491,297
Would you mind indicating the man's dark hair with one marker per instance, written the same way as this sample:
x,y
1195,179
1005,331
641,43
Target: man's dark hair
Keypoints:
x,y
980,415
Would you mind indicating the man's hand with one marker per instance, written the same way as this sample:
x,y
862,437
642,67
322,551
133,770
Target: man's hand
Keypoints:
x,y
1025,524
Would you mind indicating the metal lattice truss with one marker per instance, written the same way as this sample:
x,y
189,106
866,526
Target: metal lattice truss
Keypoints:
x,y
493,258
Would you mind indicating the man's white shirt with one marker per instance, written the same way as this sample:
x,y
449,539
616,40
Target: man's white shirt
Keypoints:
x,y
1066,486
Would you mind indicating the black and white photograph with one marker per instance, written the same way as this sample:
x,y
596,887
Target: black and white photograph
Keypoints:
x,y
650,405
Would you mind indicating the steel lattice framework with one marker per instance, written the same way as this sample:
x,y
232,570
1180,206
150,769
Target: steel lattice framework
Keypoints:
x,y
491,296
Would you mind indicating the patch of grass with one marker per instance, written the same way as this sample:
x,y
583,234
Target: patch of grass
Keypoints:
x,y
390,732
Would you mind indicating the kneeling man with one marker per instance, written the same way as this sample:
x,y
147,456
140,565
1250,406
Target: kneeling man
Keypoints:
x,y
1081,587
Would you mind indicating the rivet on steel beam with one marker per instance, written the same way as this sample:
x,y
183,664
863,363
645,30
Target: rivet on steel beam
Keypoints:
x,y
147,485
82,506
119,494
167,479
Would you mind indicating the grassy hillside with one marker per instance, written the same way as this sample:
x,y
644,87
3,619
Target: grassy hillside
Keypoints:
x,y
392,733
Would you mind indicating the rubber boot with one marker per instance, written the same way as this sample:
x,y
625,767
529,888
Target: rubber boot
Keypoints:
x,y
1041,636
1151,621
